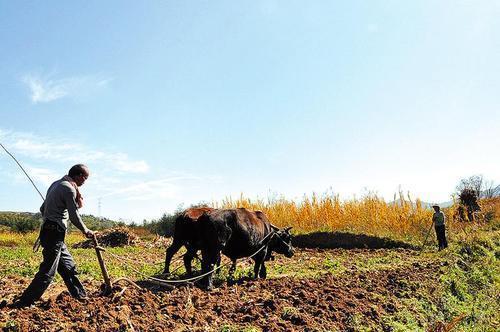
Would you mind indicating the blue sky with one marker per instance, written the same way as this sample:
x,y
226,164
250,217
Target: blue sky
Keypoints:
x,y
177,102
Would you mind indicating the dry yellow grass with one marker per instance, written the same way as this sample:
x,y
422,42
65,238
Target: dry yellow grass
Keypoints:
x,y
404,219
13,239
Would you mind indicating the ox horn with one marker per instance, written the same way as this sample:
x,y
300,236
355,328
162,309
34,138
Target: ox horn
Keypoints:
x,y
274,227
288,228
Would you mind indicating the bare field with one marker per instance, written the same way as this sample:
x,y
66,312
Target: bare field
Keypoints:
x,y
316,290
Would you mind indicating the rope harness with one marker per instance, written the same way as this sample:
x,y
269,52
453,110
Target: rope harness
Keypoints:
x,y
169,283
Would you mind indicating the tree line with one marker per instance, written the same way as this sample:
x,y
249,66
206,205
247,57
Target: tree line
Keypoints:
x,y
469,192
24,222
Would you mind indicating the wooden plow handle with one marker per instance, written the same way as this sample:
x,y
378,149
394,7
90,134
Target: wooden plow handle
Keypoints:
x,y
104,271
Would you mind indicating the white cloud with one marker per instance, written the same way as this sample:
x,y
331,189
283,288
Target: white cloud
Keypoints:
x,y
3,133
43,175
43,148
154,189
36,149
104,82
120,162
46,89
134,166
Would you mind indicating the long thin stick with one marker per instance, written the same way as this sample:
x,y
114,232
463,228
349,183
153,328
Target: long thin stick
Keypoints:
x,y
33,183
104,271
428,232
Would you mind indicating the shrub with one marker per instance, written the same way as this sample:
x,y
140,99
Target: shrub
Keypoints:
x,y
163,226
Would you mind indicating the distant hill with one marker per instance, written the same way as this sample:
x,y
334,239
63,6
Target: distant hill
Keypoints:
x,y
427,205
29,221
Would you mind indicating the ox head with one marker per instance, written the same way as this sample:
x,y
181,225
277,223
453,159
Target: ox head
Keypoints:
x,y
281,241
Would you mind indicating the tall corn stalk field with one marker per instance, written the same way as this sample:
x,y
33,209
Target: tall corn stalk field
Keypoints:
x,y
404,218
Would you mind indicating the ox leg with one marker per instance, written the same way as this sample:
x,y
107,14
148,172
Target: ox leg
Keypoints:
x,y
256,268
217,264
263,271
208,261
188,259
176,245
232,269
259,263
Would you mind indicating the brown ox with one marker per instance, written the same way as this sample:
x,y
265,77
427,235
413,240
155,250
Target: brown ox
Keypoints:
x,y
186,233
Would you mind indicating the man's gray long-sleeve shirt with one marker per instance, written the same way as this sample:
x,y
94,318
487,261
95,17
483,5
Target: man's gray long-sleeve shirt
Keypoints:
x,y
60,205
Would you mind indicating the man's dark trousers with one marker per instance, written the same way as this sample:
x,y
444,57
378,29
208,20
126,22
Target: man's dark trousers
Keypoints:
x,y
56,257
441,237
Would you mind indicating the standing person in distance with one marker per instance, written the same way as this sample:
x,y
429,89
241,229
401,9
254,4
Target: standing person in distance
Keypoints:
x,y
61,205
438,219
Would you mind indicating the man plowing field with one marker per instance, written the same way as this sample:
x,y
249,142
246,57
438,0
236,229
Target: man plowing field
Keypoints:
x,y
61,204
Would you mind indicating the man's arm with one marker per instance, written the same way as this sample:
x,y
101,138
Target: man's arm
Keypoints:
x,y
74,216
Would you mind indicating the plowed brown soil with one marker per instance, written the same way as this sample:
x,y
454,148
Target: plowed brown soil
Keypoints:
x,y
326,302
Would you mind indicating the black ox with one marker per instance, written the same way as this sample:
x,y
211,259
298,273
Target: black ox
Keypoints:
x,y
239,233
186,233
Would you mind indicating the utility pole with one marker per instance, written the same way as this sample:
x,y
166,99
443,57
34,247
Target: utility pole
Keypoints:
x,y
99,207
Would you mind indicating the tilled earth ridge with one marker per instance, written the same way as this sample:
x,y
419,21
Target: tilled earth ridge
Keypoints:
x,y
328,302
